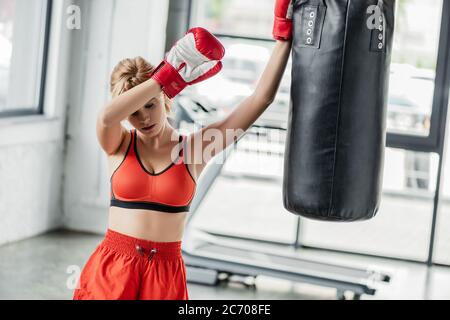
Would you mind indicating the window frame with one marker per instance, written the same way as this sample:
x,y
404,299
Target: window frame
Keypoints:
x,y
39,108
433,141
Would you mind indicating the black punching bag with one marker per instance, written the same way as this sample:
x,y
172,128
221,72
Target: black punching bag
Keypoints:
x,y
336,127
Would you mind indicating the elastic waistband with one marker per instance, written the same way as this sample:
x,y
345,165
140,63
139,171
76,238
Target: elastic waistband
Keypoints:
x,y
136,247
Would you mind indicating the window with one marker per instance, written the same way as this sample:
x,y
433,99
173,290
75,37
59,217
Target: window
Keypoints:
x,y
245,29
252,18
23,36
413,68
242,66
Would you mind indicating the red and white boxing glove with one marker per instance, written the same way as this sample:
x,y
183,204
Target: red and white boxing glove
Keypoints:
x,y
282,28
194,58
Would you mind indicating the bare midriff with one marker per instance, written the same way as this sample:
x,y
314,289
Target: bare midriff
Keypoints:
x,y
147,225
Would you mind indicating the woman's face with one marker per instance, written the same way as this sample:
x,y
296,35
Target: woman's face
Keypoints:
x,y
150,119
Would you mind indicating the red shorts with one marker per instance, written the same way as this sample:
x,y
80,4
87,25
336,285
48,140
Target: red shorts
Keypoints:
x,y
127,268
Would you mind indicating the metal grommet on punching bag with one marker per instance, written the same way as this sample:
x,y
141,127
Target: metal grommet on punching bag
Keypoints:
x,y
336,127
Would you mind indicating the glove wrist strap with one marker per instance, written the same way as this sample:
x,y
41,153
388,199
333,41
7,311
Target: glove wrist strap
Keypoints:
x,y
282,29
169,79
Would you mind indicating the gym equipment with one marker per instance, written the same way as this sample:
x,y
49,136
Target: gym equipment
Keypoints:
x,y
213,258
336,128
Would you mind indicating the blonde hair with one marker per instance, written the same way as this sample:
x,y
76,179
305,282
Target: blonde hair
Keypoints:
x,y
129,73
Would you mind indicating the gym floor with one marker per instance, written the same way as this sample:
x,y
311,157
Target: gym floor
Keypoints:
x,y
36,268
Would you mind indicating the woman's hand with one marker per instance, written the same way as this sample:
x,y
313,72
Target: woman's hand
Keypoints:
x,y
194,58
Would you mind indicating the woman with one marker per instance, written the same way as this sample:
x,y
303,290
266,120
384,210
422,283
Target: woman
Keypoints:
x,y
154,170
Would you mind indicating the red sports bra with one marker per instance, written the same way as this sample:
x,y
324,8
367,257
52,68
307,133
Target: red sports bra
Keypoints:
x,y
133,187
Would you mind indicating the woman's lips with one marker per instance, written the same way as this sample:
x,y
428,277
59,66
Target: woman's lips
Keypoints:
x,y
148,128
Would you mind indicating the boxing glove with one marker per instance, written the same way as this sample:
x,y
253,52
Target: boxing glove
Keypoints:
x,y
194,58
282,28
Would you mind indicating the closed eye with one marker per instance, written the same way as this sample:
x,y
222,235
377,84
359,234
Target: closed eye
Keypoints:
x,y
148,106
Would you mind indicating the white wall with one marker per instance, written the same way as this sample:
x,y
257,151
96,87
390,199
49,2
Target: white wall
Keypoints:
x,y
111,31
31,151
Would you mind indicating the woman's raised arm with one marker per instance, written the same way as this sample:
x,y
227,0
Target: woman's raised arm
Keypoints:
x,y
219,135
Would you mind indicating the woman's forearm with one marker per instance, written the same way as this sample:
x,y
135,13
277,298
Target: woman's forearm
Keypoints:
x,y
124,105
249,110
271,78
